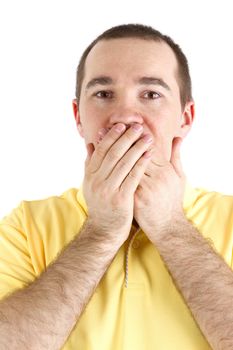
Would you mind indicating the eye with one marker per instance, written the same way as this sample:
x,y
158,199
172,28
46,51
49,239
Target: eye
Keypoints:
x,y
103,94
151,95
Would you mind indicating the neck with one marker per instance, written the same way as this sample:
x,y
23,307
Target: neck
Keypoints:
x,y
134,223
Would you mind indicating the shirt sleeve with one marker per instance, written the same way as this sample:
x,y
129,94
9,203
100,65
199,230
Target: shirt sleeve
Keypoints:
x,y
225,214
16,269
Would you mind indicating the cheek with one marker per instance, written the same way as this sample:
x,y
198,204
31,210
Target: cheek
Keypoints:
x,y
164,129
163,126
91,124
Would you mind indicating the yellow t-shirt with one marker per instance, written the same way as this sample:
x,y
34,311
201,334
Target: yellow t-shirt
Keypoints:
x,y
136,308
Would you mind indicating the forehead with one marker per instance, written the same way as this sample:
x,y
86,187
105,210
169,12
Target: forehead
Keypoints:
x,y
129,56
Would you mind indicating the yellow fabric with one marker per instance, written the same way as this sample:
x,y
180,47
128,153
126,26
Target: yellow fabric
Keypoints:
x,y
150,313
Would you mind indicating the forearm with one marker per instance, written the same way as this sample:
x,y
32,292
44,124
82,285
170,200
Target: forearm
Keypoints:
x,y
204,279
42,315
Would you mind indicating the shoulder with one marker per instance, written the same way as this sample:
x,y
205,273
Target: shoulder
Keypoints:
x,y
67,202
199,197
37,230
209,207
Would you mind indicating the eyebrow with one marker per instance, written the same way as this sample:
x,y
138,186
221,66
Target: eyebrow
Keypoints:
x,y
105,80
153,81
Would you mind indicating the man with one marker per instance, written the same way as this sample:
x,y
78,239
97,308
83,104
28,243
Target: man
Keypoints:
x,y
135,259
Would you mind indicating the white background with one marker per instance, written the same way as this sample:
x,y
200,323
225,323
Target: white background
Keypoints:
x,y
41,42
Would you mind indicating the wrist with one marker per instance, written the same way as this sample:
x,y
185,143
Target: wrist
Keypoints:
x,y
101,236
172,227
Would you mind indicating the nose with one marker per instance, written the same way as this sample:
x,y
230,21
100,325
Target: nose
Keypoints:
x,y
126,117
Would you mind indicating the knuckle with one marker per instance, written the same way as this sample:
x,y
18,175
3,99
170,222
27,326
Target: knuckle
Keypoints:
x,y
140,163
123,163
113,135
90,168
132,175
129,135
99,188
116,201
113,154
104,193
100,151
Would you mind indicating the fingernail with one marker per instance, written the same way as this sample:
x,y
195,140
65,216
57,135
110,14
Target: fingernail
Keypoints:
x,y
102,132
119,127
147,138
137,127
99,139
147,154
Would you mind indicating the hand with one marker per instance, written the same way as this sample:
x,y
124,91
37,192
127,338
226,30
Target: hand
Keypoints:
x,y
159,196
112,173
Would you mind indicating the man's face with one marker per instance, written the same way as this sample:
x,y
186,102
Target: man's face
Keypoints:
x,y
132,81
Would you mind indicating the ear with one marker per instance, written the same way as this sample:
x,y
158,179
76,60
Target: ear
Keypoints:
x,y
77,117
187,119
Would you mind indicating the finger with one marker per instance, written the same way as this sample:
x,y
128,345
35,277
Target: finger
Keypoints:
x,y
158,158
90,150
102,148
118,150
175,156
127,162
132,180
157,162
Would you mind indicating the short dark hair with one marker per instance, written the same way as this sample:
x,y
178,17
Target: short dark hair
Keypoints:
x,y
146,33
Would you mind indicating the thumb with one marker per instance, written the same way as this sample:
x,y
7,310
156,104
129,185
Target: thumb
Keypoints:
x,y
175,156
